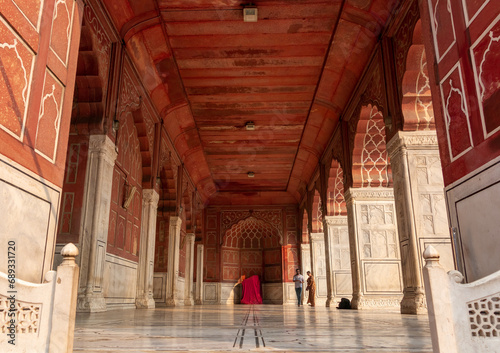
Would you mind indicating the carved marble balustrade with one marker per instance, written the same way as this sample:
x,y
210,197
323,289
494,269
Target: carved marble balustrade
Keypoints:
x,y
464,318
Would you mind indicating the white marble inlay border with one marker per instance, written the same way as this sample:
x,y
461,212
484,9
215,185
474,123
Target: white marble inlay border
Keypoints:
x,y
69,29
27,88
435,26
480,88
57,121
468,19
445,102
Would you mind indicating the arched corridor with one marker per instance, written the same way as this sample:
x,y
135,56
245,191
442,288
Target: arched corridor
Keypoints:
x,y
162,159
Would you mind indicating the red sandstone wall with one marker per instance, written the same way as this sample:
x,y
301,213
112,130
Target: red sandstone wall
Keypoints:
x,y
38,51
464,43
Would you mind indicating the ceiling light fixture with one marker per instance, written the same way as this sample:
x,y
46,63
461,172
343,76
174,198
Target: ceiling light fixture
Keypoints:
x,y
250,13
251,174
250,126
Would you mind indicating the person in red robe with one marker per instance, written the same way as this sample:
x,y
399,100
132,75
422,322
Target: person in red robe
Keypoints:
x,y
311,287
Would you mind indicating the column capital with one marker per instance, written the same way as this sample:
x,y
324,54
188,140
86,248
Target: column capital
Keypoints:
x,y
317,237
369,194
305,246
150,196
190,236
103,145
336,220
176,220
412,140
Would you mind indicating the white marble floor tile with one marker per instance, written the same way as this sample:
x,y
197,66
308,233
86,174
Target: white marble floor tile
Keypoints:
x,y
256,328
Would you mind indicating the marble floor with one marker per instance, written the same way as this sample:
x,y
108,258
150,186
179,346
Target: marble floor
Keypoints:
x,y
251,328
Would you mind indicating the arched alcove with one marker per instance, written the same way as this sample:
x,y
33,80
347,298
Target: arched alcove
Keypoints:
x,y
251,247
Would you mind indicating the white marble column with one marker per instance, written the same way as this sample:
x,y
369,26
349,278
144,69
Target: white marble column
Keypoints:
x,y
318,266
199,274
373,242
188,286
145,270
327,236
305,263
340,258
95,222
421,209
174,236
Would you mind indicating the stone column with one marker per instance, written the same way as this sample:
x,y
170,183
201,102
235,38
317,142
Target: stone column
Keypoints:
x,y
305,263
329,262
145,270
318,266
95,222
373,242
199,274
174,236
188,286
421,209
340,258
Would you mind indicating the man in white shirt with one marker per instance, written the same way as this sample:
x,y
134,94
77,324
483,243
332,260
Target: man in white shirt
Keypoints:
x,y
298,279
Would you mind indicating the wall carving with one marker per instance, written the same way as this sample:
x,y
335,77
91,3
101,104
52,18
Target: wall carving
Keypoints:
x,y
403,39
27,318
273,217
484,316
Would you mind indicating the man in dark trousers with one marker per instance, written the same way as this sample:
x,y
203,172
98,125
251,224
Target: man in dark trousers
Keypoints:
x,y
299,280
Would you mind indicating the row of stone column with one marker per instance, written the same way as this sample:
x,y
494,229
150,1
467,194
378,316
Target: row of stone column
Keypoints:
x,y
95,224
375,253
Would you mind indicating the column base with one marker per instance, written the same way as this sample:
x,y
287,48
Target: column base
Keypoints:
x,y
329,302
172,302
375,302
94,303
188,301
198,302
145,303
413,302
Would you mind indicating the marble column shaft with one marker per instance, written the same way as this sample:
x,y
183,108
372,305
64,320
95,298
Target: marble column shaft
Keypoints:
x,y
95,222
188,287
373,242
174,236
145,270
199,274
340,261
420,206
329,263
318,266
305,257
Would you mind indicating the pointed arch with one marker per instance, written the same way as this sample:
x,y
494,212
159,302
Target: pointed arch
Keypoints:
x,y
305,227
370,162
416,104
336,205
317,213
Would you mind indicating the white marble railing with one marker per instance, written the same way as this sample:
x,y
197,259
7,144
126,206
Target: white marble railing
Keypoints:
x,y
464,318
40,317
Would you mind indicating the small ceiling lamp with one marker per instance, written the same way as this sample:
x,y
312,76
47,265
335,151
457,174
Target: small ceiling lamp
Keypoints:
x,y
250,13
250,126
251,174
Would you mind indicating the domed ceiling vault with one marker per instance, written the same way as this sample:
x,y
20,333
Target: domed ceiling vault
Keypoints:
x,y
291,73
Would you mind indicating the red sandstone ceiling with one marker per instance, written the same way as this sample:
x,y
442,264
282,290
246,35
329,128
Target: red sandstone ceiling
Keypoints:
x,y
291,74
